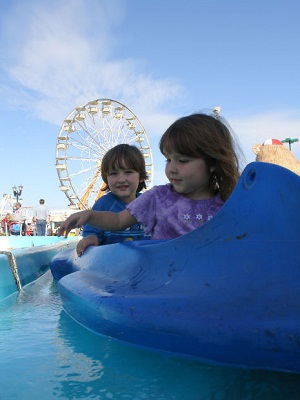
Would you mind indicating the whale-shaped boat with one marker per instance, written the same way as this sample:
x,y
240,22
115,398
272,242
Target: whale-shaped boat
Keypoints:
x,y
226,293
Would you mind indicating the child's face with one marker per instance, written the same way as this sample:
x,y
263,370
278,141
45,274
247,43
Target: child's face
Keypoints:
x,y
189,176
123,183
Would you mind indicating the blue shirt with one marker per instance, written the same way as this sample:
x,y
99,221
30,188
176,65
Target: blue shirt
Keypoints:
x,y
110,202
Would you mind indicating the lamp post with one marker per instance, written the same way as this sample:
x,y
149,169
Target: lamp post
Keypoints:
x,y
17,191
289,141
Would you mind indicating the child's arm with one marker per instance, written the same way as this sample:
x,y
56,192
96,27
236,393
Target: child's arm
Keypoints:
x,y
105,220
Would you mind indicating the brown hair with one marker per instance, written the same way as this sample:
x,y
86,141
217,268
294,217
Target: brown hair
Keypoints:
x,y
206,137
124,156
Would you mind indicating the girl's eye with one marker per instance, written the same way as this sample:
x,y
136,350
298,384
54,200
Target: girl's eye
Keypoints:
x,y
183,160
112,173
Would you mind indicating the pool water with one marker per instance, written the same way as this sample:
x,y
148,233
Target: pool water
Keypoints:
x,y
44,354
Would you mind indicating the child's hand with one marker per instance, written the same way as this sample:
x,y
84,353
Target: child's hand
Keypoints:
x,y
73,221
85,242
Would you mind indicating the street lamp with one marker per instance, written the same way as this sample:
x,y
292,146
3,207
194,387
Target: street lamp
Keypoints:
x,y
17,191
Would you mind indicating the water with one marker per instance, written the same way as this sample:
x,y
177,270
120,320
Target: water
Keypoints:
x,y
44,354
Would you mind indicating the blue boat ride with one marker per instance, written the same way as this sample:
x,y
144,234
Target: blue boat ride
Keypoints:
x,y
23,259
226,293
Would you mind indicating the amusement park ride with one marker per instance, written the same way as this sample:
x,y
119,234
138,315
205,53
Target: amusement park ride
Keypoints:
x,y
86,134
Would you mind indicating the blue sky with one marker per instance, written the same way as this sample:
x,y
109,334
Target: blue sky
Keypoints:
x,y
162,59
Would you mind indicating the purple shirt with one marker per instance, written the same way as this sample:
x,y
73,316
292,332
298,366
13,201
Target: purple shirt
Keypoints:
x,y
168,214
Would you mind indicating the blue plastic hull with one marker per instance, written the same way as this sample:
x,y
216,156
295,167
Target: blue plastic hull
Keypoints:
x,y
23,259
227,293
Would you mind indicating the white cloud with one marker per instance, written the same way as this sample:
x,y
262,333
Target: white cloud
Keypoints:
x,y
260,127
60,62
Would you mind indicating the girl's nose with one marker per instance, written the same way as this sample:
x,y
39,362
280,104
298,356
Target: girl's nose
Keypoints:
x,y
172,167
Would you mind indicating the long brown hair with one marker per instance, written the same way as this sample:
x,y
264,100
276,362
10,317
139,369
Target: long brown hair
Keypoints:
x,y
206,137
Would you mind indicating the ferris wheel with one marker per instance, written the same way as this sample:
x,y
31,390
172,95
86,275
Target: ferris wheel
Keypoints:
x,y
87,133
